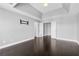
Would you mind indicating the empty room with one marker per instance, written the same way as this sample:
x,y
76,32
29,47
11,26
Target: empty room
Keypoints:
x,y
39,29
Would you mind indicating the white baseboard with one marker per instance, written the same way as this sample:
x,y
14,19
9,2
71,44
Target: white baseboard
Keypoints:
x,y
68,40
14,43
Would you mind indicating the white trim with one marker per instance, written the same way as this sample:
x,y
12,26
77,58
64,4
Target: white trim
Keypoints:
x,y
10,8
8,45
14,43
68,40
14,4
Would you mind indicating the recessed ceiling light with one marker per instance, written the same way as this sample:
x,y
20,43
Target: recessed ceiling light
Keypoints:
x,y
45,4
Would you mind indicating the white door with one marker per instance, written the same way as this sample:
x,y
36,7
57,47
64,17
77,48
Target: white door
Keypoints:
x,y
47,29
36,29
53,29
40,29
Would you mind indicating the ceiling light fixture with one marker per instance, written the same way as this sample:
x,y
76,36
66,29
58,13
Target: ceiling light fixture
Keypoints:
x,y
45,4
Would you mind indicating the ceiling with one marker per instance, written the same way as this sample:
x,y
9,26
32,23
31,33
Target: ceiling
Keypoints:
x,y
51,6
39,12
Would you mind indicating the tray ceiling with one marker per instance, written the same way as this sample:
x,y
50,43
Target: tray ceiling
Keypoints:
x,y
45,9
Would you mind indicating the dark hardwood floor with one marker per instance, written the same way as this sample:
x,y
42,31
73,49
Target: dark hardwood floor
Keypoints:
x,y
62,48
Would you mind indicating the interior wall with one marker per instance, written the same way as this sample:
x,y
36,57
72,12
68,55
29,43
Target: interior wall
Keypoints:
x,y
11,30
77,26
66,27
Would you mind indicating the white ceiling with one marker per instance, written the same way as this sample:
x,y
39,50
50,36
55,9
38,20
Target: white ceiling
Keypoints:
x,y
43,9
53,9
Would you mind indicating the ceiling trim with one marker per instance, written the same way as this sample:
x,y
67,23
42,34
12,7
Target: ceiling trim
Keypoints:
x,y
66,6
14,4
10,8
